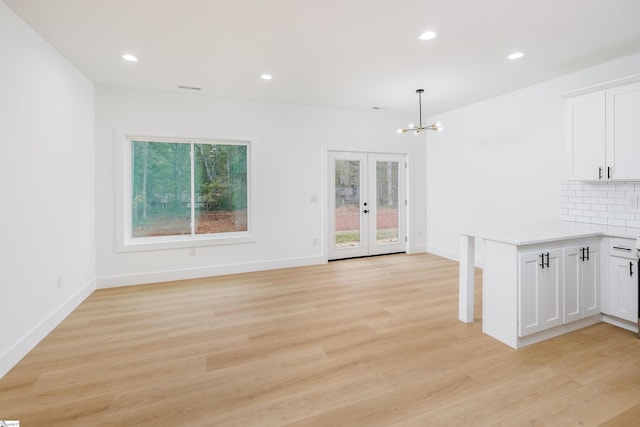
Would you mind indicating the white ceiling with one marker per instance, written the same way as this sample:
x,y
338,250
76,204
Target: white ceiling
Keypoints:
x,y
354,54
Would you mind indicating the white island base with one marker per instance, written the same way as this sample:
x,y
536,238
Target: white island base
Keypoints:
x,y
501,305
538,281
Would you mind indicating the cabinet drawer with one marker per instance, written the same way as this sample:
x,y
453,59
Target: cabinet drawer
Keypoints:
x,y
621,247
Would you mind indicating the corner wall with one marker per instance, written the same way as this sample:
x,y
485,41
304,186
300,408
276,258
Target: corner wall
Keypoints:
x,y
47,255
502,161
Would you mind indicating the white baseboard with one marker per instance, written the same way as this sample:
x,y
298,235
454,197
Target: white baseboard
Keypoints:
x,y
621,323
417,249
452,255
199,272
18,350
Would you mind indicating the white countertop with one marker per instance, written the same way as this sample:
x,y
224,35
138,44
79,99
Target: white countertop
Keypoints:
x,y
528,234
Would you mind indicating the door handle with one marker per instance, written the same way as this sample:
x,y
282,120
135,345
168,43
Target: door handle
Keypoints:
x,y
547,259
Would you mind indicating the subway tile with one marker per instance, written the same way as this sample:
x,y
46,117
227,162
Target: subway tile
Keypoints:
x,y
634,224
625,215
616,194
607,201
583,219
625,187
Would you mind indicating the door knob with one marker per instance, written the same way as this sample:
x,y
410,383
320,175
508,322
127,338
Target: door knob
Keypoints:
x,y
365,211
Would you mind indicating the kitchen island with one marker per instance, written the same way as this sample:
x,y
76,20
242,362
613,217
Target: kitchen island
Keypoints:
x,y
539,280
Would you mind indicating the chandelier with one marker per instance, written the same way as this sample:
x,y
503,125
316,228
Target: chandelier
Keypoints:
x,y
417,129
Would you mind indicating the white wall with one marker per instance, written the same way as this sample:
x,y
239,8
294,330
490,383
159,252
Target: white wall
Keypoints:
x,y
503,160
46,176
288,156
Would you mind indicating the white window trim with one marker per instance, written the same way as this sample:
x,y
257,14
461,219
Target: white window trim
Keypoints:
x,y
124,241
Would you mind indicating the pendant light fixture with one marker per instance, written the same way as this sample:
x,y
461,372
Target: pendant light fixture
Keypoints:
x,y
417,129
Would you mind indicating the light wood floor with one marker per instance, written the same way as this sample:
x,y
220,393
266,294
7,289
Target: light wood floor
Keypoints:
x,y
363,342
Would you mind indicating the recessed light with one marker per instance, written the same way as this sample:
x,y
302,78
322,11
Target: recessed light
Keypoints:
x,y
129,57
266,76
516,55
427,35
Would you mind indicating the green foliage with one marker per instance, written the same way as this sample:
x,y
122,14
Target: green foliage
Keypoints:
x,y
161,179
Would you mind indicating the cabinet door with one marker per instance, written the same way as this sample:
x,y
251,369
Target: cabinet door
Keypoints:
x,y
589,283
552,289
623,132
540,294
623,288
529,294
572,292
585,121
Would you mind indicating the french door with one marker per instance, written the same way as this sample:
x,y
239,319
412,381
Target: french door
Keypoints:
x,y
367,204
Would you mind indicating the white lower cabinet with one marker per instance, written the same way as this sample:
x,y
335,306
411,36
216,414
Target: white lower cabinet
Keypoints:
x,y
557,286
623,288
540,301
581,284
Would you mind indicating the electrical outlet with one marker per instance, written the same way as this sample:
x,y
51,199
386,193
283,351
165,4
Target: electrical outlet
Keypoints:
x,y
59,283
314,242
633,202
192,251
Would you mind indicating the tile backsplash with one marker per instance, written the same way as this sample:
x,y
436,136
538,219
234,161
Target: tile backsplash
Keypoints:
x,y
609,203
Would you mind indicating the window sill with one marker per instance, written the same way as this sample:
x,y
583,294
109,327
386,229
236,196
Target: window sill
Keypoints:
x,y
178,242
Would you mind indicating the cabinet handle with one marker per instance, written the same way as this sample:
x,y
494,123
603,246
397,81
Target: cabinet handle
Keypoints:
x,y
542,260
587,253
608,172
547,259
621,248
630,268
599,173
582,255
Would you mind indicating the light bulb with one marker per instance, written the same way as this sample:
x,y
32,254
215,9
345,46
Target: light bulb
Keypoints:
x,y
399,130
411,125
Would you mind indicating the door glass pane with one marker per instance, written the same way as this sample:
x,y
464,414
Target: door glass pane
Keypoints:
x,y
220,188
387,202
347,203
161,189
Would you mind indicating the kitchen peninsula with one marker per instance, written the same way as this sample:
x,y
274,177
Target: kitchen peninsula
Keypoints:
x,y
544,280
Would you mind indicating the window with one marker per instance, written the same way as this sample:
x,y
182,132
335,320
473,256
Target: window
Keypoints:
x,y
185,191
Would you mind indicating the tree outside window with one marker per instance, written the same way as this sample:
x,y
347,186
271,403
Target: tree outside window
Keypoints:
x,y
188,188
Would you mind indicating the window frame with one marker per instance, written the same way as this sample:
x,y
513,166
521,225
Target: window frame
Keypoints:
x,y
125,242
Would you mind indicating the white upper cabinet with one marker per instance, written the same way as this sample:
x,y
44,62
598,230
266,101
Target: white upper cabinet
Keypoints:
x,y
586,136
623,131
603,134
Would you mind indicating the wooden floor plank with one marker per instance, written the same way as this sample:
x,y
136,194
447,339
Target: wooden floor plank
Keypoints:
x,y
362,342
